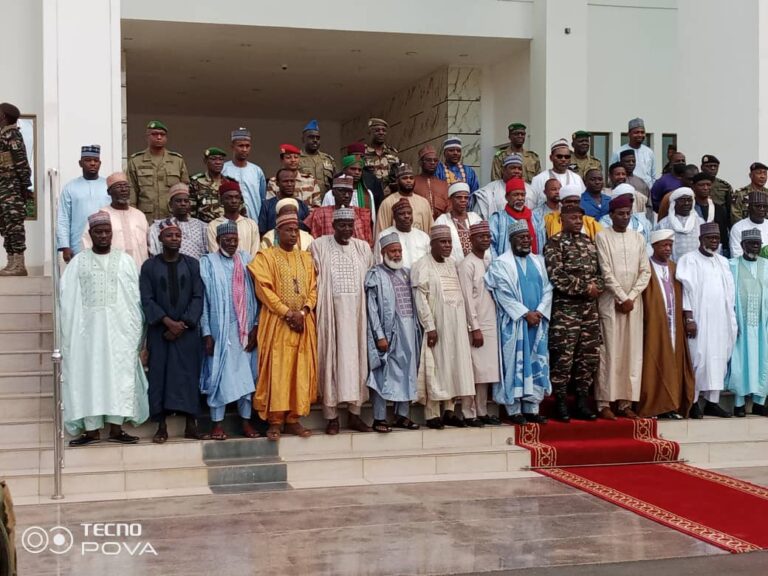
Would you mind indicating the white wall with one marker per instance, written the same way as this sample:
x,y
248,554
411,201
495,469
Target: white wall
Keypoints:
x,y
191,135
22,72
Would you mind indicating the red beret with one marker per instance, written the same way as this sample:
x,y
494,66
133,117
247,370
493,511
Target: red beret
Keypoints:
x,y
515,184
289,149
228,185
356,148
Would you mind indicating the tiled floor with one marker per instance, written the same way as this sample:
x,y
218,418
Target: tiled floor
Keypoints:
x,y
443,528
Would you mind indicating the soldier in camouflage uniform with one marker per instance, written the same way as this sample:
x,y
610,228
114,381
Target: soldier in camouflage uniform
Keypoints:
x,y
758,175
307,188
381,158
722,191
582,162
531,162
574,329
153,171
15,183
312,161
204,187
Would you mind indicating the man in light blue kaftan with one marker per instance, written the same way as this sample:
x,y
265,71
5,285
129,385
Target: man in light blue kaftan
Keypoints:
x,y
394,337
519,284
229,325
749,363
253,184
101,333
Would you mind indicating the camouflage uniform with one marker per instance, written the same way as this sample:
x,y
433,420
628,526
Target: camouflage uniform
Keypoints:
x,y
722,194
574,329
583,165
15,181
383,166
321,166
307,189
150,182
531,164
740,202
204,197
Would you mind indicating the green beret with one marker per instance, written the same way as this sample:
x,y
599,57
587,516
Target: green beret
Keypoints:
x,y
157,125
581,134
213,151
516,126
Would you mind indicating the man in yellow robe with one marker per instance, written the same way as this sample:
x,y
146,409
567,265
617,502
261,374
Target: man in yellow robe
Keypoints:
x,y
286,286
570,195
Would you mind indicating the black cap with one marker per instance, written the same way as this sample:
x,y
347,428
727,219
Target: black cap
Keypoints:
x,y
702,176
757,166
709,159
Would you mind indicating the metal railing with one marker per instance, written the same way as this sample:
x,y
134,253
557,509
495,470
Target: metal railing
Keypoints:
x,y
58,424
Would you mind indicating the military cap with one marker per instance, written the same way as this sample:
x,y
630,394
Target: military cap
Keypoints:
x,y
157,125
91,151
516,126
377,122
757,166
289,149
213,151
709,159
751,234
312,126
581,134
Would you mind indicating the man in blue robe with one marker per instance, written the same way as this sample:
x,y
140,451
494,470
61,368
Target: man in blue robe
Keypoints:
x,y
453,170
519,284
749,362
229,325
394,337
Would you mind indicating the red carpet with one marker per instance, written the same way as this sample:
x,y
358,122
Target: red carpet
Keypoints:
x,y
722,511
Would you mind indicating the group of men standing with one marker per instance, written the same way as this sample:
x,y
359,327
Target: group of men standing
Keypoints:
x,y
373,283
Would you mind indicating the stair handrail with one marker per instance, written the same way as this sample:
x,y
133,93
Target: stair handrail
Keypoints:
x,y
58,423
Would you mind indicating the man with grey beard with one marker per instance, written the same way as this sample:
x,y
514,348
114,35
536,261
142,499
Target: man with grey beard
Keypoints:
x,y
393,337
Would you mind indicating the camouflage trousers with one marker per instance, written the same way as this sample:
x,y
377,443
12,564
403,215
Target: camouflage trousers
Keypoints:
x,y
574,344
13,211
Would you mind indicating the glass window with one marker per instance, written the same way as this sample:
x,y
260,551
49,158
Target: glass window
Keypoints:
x,y
668,140
600,147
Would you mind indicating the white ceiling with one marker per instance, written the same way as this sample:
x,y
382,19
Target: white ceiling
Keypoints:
x,y
220,70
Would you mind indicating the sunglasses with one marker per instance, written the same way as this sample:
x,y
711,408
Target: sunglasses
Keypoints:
x,y
562,156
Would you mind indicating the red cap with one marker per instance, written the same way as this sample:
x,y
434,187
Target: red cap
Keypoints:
x,y
515,184
289,149
229,184
356,148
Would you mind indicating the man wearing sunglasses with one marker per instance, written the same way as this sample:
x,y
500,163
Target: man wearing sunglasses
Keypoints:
x,y
560,156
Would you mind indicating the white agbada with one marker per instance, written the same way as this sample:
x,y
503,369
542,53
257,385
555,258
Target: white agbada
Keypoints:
x,y
129,233
709,292
101,334
493,197
739,227
414,244
537,184
627,271
341,319
445,370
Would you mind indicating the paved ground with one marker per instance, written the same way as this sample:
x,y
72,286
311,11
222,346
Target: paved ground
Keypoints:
x,y
523,527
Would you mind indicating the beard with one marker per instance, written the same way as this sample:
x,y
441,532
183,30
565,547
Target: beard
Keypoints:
x,y
710,251
518,206
393,264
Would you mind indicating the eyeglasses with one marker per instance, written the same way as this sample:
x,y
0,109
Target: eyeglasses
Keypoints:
x,y
563,156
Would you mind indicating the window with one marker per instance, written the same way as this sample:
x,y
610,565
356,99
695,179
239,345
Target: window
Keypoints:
x,y
600,146
648,139
668,140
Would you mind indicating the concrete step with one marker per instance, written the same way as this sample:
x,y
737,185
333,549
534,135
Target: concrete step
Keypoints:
x,y
15,340
26,405
25,285
25,321
25,360
26,303
38,381
15,431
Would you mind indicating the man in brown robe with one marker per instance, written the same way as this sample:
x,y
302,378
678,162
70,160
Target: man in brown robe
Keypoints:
x,y
668,383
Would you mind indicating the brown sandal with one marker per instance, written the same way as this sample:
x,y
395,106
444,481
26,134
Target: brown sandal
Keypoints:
x,y
273,433
296,429
218,433
249,431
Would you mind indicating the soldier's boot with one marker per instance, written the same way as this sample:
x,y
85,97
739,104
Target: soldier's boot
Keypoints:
x,y
8,264
583,409
15,266
561,408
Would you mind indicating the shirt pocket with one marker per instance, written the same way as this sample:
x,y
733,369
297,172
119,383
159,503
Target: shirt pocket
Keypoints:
x,y
172,174
145,177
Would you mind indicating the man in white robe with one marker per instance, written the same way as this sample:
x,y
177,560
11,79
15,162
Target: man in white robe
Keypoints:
x,y
481,319
194,239
493,196
756,211
341,262
445,369
129,233
414,242
103,381
683,221
253,184
645,166
560,156
709,297
626,270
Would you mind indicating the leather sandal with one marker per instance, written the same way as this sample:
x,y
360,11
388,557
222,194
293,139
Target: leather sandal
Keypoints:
x,y
249,431
273,432
296,429
405,423
356,423
218,433
381,426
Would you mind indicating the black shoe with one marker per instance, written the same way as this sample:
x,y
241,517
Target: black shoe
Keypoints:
x,y
451,419
759,410
712,409
435,424
473,422
535,418
583,411
740,411
489,420
561,410
518,419
84,440
123,438
695,413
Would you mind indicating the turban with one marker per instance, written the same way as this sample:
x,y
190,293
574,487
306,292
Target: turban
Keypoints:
x,y
286,218
240,134
389,239
483,227
400,205
351,160
228,227
622,189
513,160
289,149
283,202
311,125
659,235
424,150
570,190
709,159
635,123
213,151
757,198
709,229
228,185
178,188
515,184
356,148
516,126
404,170
377,122
458,187
572,209
92,151
621,201
343,214
452,143
562,143
343,181
157,125
518,227
116,177
627,152
98,218
439,232
681,192
751,234
168,223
